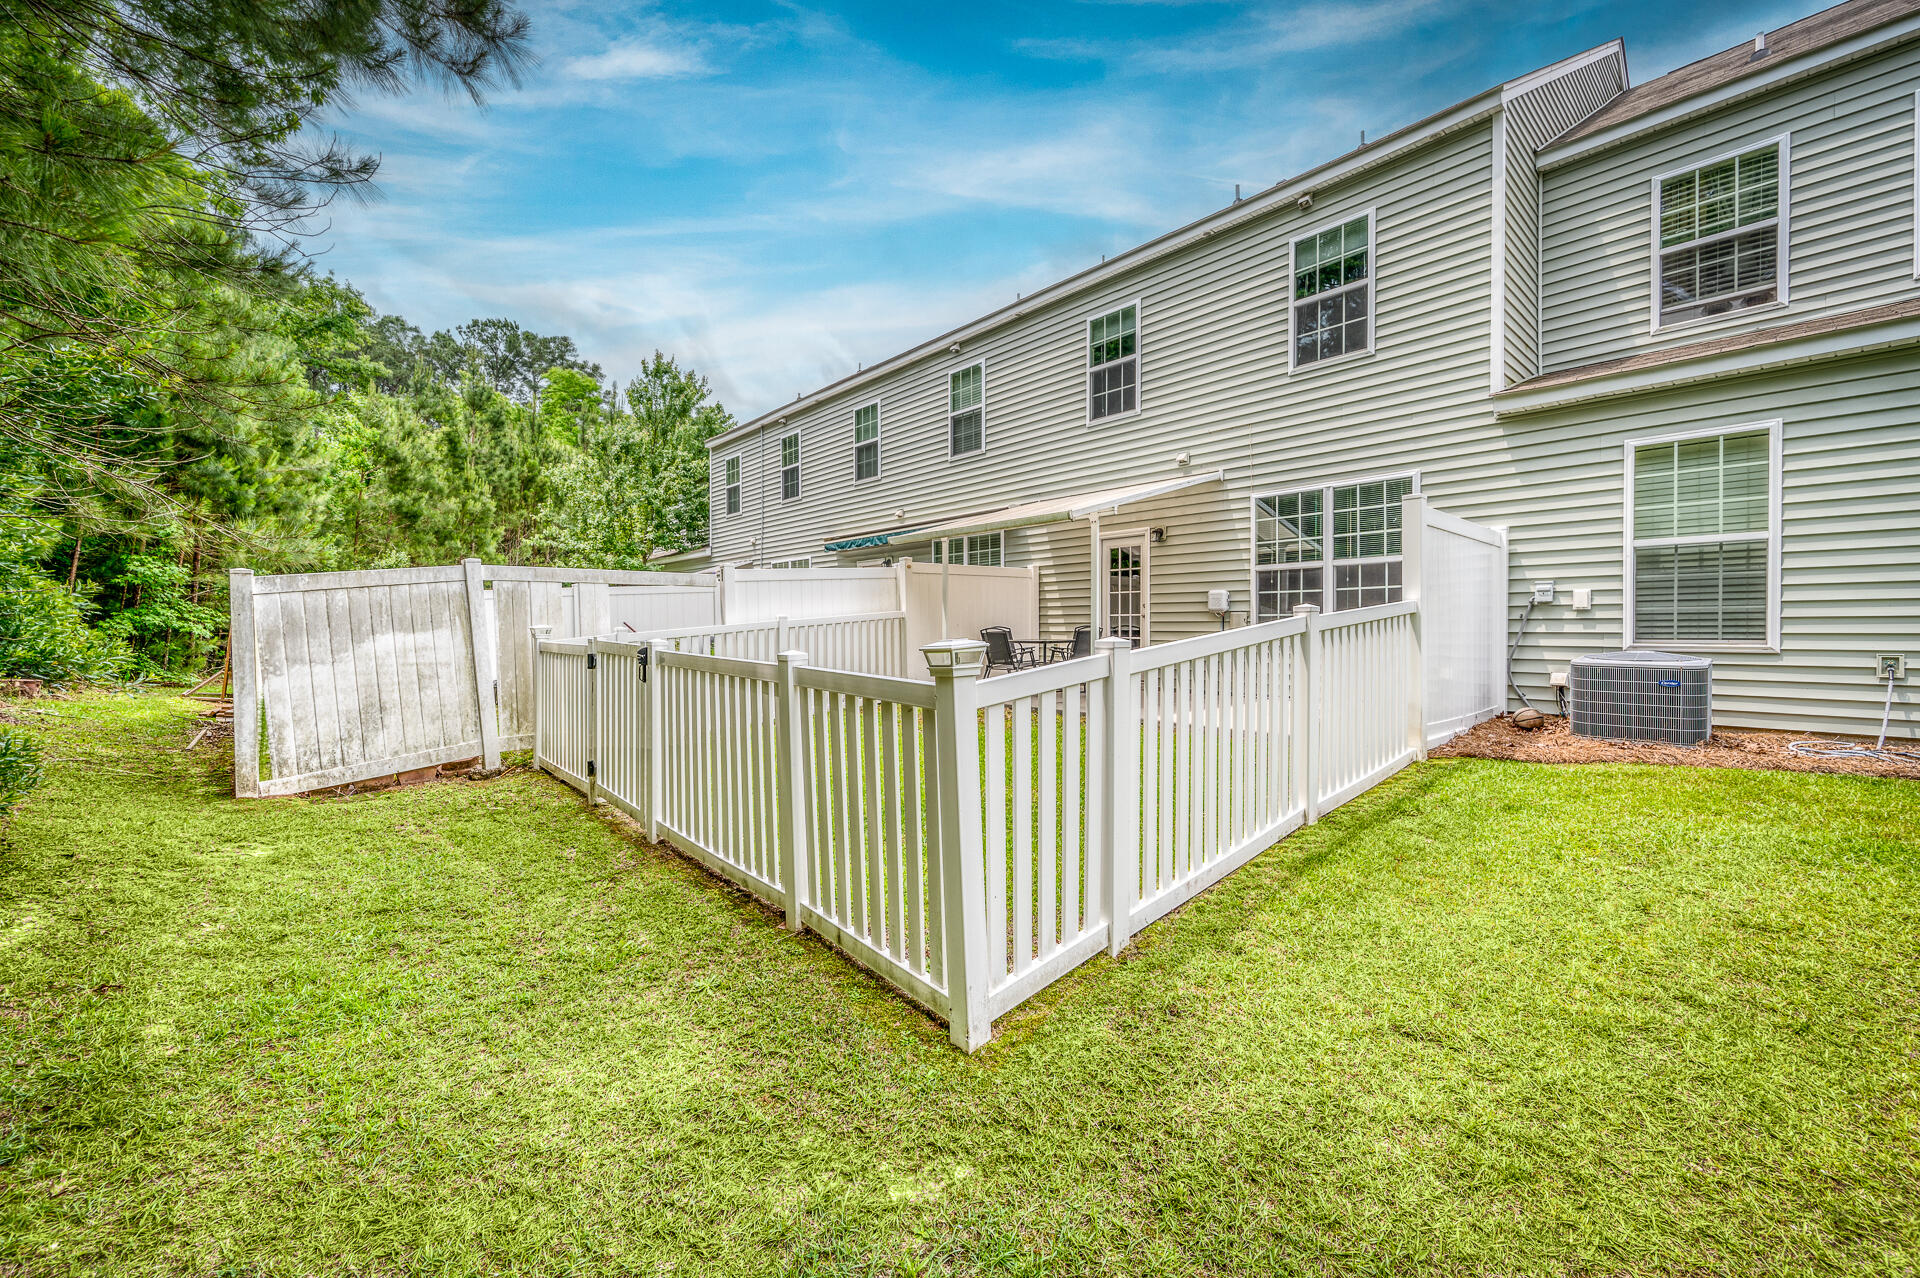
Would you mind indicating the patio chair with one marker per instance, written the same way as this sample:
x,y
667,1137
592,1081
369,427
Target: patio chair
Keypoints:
x,y
1081,646
1002,651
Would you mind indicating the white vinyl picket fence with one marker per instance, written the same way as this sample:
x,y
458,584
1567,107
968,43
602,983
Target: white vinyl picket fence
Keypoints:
x,y
971,841
871,643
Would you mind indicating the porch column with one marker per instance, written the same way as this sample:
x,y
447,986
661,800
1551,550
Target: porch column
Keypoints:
x,y
1094,596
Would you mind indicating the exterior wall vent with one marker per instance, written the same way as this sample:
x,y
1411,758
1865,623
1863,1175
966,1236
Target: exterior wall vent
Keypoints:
x,y
1641,696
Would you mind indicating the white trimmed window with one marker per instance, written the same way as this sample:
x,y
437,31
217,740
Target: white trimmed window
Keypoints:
x,y
1702,537
1721,236
967,410
866,442
1333,292
1336,547
733,485
1113,363
805,561
789,467
979,549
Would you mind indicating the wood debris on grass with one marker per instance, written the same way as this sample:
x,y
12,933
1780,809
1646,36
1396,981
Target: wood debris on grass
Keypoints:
x,y
1726,748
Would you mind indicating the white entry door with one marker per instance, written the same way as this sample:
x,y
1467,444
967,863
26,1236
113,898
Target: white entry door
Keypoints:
x,y
1126,586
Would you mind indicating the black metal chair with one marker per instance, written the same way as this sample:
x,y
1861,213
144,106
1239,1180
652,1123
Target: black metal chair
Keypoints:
x,y
1002,651
1081,646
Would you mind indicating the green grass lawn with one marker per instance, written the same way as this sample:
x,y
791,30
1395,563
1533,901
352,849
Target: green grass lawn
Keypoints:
x,y
1489,1018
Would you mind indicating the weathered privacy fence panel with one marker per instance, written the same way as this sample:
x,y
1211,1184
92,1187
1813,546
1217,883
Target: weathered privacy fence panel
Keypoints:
x,y
971,841
353,667
364,674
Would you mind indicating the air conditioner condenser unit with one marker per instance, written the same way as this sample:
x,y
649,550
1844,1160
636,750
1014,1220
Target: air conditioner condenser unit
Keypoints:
x,y
1641,696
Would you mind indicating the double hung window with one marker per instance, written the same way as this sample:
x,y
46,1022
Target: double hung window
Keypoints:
x,y
1335,547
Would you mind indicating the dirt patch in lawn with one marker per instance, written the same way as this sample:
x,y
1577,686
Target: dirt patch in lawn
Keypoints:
x,y
1727,748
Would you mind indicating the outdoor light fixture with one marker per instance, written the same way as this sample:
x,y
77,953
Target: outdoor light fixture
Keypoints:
x,y
954,654
1158,534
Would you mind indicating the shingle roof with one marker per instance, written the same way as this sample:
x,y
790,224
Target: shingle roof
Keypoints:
x,y
1845,322
1828,27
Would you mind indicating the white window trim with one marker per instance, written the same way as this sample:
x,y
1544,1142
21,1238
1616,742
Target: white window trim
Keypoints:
x,y
879,429
947,415
1373,296
1627,571
1326,561
798,561
730,489
799,461
1916,184
1139,361
1783,296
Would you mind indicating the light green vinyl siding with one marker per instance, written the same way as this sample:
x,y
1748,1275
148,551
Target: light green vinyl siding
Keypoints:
x,y
1221,392
1851,211
1535,117
1849,470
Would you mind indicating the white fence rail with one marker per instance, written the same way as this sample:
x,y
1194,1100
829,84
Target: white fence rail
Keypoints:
x,y
973,841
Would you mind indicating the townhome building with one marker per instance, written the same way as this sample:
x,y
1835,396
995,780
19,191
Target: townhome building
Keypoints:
x,y
1666,335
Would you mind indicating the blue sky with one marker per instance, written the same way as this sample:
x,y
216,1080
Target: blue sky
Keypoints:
x,y
776,193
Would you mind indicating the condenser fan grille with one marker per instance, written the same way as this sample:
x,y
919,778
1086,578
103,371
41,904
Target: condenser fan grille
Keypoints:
x,y
1641,696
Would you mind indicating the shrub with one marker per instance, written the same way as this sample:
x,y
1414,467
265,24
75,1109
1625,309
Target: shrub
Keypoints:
x,y
21,769
43,634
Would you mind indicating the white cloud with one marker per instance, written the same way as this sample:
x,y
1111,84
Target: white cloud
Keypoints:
x,y
1259,39
639,60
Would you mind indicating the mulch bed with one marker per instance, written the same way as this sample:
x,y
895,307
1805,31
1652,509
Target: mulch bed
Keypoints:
x,y
1727,748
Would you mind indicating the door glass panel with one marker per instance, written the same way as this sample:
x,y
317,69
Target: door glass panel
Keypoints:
x,y
1126,600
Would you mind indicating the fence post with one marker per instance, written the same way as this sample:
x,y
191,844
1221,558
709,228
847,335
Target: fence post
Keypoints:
x,y
243,656
485,674
955,666
593,721
1413,565
780,640
534,635
1120,841
1306,714
790,761
650,711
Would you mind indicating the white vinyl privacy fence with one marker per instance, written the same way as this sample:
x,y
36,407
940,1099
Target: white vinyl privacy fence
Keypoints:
x,y
1458,572
971,840
364,674
356,675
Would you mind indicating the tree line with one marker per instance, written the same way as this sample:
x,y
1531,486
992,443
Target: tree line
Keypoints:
x,y
181,391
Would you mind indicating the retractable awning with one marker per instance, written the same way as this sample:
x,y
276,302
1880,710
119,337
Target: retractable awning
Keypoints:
x,y
865,540
1088,505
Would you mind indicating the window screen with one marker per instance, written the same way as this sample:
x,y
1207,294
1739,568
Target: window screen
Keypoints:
x,y
1702,539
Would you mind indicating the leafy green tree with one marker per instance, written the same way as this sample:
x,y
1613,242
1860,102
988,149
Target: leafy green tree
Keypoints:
x,y
156,167
638,484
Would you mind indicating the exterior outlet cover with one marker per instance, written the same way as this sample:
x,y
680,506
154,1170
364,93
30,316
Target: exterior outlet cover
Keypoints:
x,y
1582,598
1543,592
1558,679
1217,602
